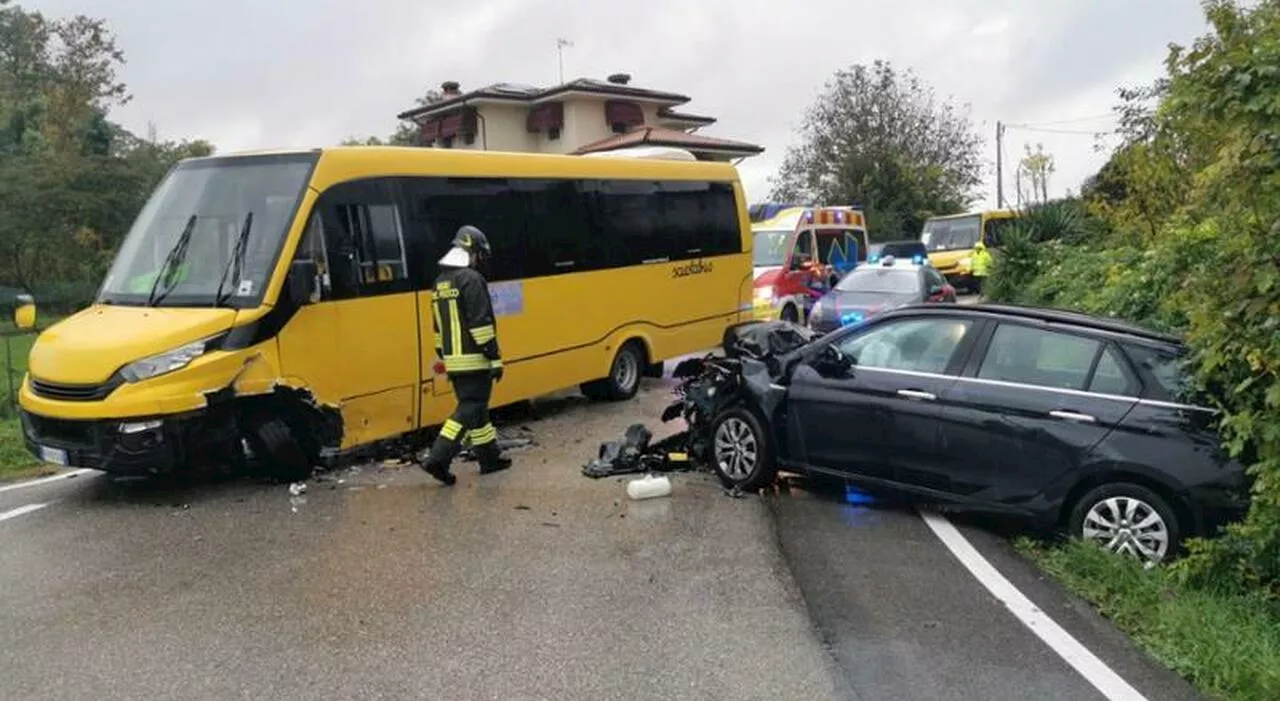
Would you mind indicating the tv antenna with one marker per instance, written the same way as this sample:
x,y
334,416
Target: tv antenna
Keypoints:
x,y
561,44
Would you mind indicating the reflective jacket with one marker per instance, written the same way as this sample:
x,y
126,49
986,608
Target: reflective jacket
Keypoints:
x,y
466,337
981,261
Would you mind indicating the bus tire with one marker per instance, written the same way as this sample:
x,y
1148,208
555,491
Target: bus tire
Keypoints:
x,y
624,376
280,455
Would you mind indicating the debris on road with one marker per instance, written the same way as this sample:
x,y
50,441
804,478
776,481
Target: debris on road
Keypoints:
x,y
634,455
649,487
298,488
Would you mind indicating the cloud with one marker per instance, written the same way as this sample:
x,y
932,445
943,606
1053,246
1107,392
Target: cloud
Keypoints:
x,y
287,73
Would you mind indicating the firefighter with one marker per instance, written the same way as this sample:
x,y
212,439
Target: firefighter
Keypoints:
x,y
467,342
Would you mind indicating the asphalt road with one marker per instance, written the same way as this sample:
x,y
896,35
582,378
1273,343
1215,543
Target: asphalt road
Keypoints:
x,y
537,583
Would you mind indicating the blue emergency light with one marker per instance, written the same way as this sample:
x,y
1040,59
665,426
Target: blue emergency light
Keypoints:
x,y
848,318
917,259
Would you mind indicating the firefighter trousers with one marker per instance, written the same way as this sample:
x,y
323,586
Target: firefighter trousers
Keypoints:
x,y
470,420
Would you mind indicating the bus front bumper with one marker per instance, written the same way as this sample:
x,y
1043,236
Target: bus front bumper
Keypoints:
x,y
120,446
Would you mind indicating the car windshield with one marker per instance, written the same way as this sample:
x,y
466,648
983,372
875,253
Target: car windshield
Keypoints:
x,y
951,234
769,248
210,233
892,281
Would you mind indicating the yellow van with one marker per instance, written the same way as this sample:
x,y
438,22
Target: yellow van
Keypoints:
x,y
950,241
278,304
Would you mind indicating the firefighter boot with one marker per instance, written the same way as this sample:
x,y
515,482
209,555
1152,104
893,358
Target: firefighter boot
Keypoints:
x,y
430,462
491,458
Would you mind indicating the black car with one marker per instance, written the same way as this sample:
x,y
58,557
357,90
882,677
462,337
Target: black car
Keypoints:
x,y
1066,419
874,288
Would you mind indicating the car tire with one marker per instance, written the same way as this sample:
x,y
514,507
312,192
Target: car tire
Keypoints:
x,y
625,371
741,450
1113,515
279,454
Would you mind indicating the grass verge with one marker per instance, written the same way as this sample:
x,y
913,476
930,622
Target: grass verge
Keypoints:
x,y
1228,646
15,461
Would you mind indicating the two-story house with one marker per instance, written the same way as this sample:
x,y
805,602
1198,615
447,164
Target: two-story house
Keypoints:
x,y
581,116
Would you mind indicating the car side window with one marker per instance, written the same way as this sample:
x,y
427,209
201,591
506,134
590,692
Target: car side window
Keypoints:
x,y
1038,357
1165,369
915,345
1110,377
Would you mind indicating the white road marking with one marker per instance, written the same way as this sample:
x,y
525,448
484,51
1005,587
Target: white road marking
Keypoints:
x,y
1094,670
46,480
14,513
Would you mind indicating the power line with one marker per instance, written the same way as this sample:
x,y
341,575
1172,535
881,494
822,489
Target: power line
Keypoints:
x,y
1076,120
1038,130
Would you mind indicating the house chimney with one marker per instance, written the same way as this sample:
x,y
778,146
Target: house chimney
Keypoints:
x,y
451,88
620,78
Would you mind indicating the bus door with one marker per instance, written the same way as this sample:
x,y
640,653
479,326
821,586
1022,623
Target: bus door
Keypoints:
x,y
358,342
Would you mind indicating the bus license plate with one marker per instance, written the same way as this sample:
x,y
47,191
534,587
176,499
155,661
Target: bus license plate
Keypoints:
x,y
57,456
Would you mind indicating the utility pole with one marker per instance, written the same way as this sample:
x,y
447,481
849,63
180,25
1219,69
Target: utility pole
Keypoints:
x,y
999,165
560,47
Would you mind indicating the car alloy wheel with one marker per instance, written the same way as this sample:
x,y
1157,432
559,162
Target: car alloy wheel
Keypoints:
x,y
1128,526
736,450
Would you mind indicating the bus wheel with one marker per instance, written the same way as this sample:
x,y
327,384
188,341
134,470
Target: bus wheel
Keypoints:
x,y
279,454
790,314
624,375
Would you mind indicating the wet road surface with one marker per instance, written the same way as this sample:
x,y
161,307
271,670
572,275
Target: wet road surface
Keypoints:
x,y
537,583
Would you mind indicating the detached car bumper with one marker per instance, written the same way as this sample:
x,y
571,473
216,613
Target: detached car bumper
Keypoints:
x,y
120,446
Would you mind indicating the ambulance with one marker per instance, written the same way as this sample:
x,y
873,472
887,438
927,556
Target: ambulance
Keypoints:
x,y
800,252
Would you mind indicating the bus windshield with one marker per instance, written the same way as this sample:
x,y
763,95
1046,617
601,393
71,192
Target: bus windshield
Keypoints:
x,y
210,234
769,248
952,234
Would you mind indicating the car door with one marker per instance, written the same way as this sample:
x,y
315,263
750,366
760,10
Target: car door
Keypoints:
x,y
880,418
1028,410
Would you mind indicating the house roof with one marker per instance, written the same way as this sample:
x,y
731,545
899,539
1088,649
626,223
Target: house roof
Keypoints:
x,y
515,92
670,115
658,136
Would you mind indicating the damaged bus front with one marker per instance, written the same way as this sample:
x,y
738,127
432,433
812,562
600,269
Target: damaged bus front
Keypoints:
x,y
184,322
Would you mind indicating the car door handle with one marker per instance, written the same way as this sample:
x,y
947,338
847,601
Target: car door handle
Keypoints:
x,y
1073,416
916,394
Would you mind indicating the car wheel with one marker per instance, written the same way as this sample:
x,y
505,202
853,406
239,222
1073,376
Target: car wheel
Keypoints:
x,y
789,313
741,450
1127,519
624,375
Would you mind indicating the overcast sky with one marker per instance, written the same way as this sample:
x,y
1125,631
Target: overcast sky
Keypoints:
x,y
302,73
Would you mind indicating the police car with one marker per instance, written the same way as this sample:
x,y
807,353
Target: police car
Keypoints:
x,y
875,287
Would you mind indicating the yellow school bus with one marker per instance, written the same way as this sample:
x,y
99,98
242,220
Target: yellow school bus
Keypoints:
x,y
950,241
279,303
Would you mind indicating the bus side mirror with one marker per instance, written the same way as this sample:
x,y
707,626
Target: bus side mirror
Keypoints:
x,y
301,283
24,312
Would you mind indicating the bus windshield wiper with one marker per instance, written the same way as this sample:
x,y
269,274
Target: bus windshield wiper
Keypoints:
x,y
236,264
170,263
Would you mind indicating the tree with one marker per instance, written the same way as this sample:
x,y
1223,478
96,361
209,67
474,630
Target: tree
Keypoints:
x,y
408,133
1033,176
880,138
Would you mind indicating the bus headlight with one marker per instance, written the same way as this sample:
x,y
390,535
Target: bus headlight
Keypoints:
x,y
165,362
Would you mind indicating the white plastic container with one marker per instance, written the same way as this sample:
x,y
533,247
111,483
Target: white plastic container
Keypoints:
x,y
649,487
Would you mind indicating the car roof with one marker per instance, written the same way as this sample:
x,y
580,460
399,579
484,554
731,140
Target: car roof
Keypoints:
x,y
903,242
1051,316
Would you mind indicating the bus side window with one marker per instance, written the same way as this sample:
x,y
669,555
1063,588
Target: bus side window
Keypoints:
x,y
700,217
443,205
364,240
311,249
627,214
